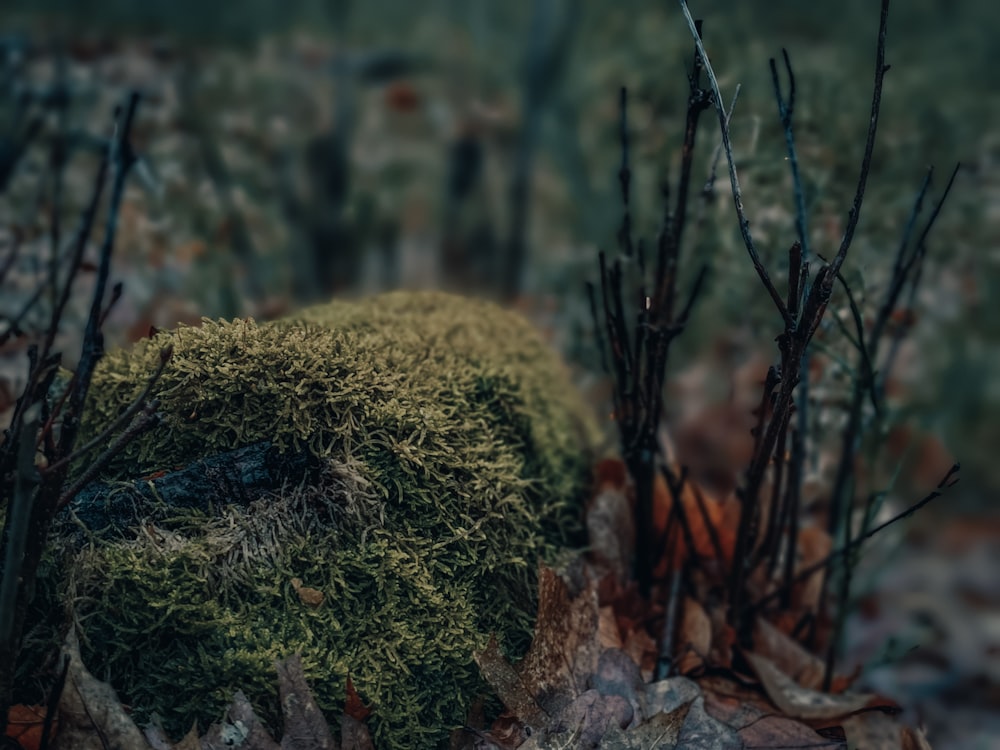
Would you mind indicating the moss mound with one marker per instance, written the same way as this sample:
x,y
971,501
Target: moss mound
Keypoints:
x,y
453,454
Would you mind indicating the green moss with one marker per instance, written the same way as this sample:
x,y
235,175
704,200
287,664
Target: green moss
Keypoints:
x,y
454,450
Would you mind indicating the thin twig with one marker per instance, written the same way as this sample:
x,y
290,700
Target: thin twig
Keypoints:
x,y
744,222
946,483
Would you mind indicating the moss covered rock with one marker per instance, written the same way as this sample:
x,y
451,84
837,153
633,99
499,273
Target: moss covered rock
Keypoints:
x,y
452,453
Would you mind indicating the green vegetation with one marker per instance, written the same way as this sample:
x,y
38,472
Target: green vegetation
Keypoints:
x,y
455,454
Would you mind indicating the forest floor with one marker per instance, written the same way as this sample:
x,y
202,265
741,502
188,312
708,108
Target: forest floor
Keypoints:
x,y
927,623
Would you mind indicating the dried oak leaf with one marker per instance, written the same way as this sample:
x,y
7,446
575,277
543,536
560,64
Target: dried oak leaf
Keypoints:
x,y
562,656
754,719
25,724
90,715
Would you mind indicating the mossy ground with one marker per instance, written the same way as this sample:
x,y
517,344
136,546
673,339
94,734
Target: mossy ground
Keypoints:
x,y
454,454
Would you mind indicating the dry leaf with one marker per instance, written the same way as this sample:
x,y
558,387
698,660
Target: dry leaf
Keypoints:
x,y
90,715
661,731
618,675
608,633
584,723
25,724
308,596
240,729
641,647
564,650
353,705
753,718
798,702
354,734
611,521
305,727
873,730
788,655
702,730
914,739
694,639
504,679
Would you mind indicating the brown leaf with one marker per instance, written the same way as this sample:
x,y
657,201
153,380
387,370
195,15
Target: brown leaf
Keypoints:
x,y
563,653
25,724
873,730
90,715
641,647
607,628
618,675
694,638
305,727
702,730
583,723
610,521
354,734
753,718
798,702
661,731
914,739
504,679
788,655
308,596
561,659
353,705
157,738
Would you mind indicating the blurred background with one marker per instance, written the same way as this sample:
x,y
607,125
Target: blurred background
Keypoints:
x,y
291,152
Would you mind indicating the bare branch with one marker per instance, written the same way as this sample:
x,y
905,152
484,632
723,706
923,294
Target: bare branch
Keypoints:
x,y
744,222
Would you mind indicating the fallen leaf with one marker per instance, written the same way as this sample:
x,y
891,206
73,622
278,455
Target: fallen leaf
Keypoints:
x,y
694,638
504,679
618,675
914,739
607,628
583,723
308,596
788,655
304,725
353,705
564,650
702,730
873,730
240,728
90,715
661,731
25,725
610,519
754,719
798,702
354,734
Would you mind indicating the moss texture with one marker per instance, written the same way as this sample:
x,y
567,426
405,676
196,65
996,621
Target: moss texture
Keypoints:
x,y
454,453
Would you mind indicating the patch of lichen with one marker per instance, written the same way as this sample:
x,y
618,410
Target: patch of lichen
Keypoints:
x,y
467,445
